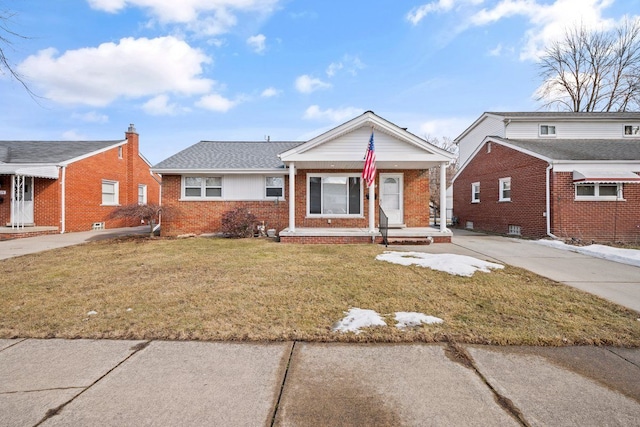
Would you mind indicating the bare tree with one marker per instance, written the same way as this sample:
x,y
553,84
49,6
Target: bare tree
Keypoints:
x,y
434,173
150,213
593,71
7,36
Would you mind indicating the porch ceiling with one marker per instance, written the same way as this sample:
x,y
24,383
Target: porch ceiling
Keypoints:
x,y
351,165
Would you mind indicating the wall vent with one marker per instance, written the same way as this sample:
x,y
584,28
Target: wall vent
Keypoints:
x,y
98,226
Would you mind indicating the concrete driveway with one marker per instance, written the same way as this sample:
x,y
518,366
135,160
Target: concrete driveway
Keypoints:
x,y
616,282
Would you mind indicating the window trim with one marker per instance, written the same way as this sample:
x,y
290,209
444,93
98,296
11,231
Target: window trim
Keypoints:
x,y
116,192
475,195
631,135
335,175
203,188
267,187
144,194
501,189
596,192
547,135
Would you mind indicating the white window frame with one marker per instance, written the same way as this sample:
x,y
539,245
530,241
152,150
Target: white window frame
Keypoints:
x,y
120,152
142,193
501,188
633,129
596,197
203,187
548,134
475,192
267,187
115,193
334,175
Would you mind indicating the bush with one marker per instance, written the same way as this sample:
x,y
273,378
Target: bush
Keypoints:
x,y
239,222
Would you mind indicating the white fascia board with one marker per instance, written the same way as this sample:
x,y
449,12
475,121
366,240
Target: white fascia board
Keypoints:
x,y
571,165
279,171
93,153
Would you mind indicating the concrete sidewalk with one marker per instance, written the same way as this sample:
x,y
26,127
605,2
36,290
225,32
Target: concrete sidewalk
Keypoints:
x,y
616,282
31,245
123,383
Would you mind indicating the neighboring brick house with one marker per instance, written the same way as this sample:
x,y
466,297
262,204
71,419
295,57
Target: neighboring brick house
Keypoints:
x,y
63,186
563,175
307,191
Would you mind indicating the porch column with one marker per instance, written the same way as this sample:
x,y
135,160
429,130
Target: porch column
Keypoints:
x,y
443,196
372,208
292,197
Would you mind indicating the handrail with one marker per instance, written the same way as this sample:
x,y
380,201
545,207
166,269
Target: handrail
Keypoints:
x,y
384,226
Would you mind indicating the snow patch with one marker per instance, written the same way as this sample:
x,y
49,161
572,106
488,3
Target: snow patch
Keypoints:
x,y
409,319
358,318
92,313
459,265
621,255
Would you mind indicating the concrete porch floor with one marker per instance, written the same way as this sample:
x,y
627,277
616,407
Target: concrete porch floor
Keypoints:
x,y
7,233
363,235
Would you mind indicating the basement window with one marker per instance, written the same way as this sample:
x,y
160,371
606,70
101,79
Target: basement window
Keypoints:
x,y
469,225
514,230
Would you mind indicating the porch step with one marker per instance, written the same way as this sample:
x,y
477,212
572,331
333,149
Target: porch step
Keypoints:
x,y
401,240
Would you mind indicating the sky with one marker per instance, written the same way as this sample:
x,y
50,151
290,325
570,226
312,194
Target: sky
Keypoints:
x,y
287,70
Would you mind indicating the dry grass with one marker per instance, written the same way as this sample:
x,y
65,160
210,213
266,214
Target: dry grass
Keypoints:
x,y
217,289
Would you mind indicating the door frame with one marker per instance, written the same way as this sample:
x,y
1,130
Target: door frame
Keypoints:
x,y
400,177
22,211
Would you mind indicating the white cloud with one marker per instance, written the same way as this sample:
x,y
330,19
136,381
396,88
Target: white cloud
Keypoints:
x,y
160,106
308,84
351,64
416,14
333,68
208,17
450,127
496,51
91,117
73,135
270,92
132,68
216,102
339,115
257,43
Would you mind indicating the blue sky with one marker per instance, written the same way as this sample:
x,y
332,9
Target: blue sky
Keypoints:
x,y
191,70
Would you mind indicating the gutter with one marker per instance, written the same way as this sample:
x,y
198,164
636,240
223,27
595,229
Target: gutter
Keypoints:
x,y
548,203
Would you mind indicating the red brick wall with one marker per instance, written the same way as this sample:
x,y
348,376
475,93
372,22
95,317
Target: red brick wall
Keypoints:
x,y
204,217
528,192
603,221
5,205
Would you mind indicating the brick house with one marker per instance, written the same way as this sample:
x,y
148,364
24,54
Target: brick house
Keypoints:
x,y
562,175
307,192
49,187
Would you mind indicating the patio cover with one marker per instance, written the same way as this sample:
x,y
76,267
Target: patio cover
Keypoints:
x,y
37,171
604,175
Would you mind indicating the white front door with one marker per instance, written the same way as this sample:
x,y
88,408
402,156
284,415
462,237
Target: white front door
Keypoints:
x,y
391,197
22,200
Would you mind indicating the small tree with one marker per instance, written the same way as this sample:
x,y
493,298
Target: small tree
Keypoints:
x,y
149,213
239,222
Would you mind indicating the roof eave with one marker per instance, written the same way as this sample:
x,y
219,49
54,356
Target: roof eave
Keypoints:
x,y
201,171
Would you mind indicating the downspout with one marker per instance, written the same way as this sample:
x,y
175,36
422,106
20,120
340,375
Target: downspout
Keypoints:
x,y
548,202
63,200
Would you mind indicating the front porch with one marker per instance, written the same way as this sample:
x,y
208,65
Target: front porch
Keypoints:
x,y
8,233
412,235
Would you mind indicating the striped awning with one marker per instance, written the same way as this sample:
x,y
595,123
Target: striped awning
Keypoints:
x,y
37,171
588,176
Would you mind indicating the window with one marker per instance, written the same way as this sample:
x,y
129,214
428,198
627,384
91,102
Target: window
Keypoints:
x,y
120,152
596,191
202,187
109,192
475,192
274,186
334,195
142,194
547,130
469,225
488,147
505,190
514,230
631,130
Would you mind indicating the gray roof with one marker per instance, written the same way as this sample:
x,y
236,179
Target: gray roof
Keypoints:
x,y
569,115
48,151
228,155
580,149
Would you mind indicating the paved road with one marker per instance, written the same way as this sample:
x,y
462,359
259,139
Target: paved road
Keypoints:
x,y
127,383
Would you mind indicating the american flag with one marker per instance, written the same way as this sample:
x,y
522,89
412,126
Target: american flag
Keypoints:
x,y
369,171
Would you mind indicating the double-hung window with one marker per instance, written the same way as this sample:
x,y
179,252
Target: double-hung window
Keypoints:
x,y
505,190
142,194
274,186
475,192
334,195
109,192
202,187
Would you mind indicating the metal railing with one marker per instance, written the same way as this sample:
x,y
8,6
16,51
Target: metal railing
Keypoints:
x,y
384,226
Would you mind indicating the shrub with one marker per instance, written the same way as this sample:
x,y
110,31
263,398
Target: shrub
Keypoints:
x,y
238,222
150,213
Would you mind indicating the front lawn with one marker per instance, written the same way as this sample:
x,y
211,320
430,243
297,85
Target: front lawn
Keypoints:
x,y
256,289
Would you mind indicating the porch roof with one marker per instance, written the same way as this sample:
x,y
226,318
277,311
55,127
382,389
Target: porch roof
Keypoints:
x,y
36,171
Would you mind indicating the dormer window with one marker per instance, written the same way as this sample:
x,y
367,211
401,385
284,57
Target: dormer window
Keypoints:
x,y
547,130
632,130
